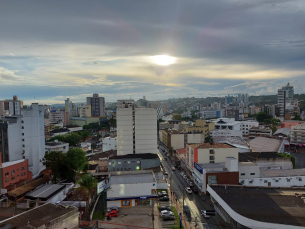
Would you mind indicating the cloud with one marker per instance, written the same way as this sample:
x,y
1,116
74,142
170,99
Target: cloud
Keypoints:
x,y
8,75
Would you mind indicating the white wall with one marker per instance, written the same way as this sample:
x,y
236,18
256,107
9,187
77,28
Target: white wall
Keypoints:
x,y
195,138
125,190
275,181
177,141
109,143
220,154
247,168
124,131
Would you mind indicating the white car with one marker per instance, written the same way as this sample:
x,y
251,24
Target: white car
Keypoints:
x,y
166,213
203,213
173,168
182,174
188,190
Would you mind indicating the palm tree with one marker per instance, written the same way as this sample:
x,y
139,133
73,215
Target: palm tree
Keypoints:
x,y
87,182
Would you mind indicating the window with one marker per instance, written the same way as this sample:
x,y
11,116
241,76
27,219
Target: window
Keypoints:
x,y
22,127
23,139
6,174
22,174
242,174
276,181
128,162
22,121
252,174
212,151
138,162
212,179
212,158
13,178
7,180
265,181
22,134
119,163
13,172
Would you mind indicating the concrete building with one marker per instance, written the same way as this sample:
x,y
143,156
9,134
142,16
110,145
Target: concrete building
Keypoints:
x,y
216,173
243,98
11,107
85,111
109,143
200,125
290,123
246,125
97,105
258,207
132,162
142,102
69,106
227,123
136,128
83,121
284,97
264,144
282,132
56,146
179,138
259,132
14,174
208,153
48,216
236,142
226,133
210,114
160,112
132,188
57,116
23,137
297,135
215,106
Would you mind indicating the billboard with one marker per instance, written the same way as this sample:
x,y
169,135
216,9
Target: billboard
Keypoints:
x,y
198,167
103,185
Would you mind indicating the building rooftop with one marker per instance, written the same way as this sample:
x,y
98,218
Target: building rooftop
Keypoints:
x,y
9,163
209,145
284,131
132,178
264,144
139,155
38,217
98,156
272,205
45,192
235,141
282,172
72,126
59,131
253,156
55,143
181,151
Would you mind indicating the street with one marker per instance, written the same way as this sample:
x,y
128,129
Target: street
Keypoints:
x,y
195,202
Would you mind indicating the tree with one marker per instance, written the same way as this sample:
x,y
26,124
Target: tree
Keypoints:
x,y
56,161
112,121
177,117
209,139
261,116
274,124
297,117
84,134
87,183
76,161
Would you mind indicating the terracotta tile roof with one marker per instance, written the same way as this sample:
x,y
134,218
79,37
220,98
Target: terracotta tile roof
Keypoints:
x,y
209,145
181,151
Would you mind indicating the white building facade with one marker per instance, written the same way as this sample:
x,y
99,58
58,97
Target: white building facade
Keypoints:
x,y
109,143
246,125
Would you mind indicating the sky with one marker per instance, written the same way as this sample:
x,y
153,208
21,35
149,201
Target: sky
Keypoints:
x,y
53,50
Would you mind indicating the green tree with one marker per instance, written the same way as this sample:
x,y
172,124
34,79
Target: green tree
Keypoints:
x,y
296,117
209,139
177,117
274,124
84,134
56,161
72,138
112,121
76,161
87,183
262,116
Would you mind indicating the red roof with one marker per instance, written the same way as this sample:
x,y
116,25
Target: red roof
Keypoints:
x,y
181,151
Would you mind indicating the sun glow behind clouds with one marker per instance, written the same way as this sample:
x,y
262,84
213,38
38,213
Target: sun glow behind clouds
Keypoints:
x,y
163,60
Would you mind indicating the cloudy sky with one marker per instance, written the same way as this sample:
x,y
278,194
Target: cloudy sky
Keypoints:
x,y
51,50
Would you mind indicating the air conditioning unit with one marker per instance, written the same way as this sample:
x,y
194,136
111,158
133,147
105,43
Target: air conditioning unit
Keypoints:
x,y
123,105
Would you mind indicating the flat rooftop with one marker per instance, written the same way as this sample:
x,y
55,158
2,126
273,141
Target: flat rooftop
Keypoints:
x,y
272,205
9,163
282,173
209,145
132,178
138,155
263,144
38,217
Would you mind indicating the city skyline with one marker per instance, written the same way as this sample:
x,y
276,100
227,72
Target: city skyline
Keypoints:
x,y
58,50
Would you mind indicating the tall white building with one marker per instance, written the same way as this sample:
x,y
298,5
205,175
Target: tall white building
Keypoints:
x,y
22,137
11,106
136,128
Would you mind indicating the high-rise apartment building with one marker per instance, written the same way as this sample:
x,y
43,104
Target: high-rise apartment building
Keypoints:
x,y
97,105
136,128
11,107
23,137
285,101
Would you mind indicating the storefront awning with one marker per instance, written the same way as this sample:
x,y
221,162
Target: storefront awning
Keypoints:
x,y
301,144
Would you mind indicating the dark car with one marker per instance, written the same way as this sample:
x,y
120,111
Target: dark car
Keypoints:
x,y
195,190
169,217
162,194
163,207
164,198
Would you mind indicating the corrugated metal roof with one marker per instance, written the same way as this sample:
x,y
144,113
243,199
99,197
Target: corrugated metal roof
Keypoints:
x,y
132,179
284,131
46,191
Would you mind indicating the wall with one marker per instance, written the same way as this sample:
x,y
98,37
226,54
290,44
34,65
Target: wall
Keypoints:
x,y
109,143
124,131
68,221
177,141
225,177
195,138
274,181
247,168
220,155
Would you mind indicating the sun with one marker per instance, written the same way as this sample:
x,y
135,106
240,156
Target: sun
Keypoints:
x,y
163,60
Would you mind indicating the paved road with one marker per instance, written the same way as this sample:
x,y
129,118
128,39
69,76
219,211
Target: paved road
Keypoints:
x,y
194,201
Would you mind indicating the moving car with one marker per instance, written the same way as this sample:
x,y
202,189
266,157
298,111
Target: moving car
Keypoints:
x,y
164,207
113,208
164,198
112,213
195,190
188,190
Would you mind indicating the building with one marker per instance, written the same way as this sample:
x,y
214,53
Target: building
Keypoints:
x,y
236,142
243,98
259,207
226,133
132,188
56,146
23,137
61,131
132,162
297,136
215,106
179,138
11,107
216,173
109,143
264,144
142,102
59,116
160,112
85,111
14,174
205,153
282,132
102,160
136,128
210,114
229,99
246,125
284,98
83,121
201,126
45,216
227,123
97,105
259,132
290,123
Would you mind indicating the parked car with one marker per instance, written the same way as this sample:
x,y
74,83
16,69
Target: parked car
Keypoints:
x,y
195,190
187,181
173,168
170,217
163,193
204,215
164,198
112,213
188,190
186,210
191,184
164,207
182,174
166,213
113,208
184,177
165,173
